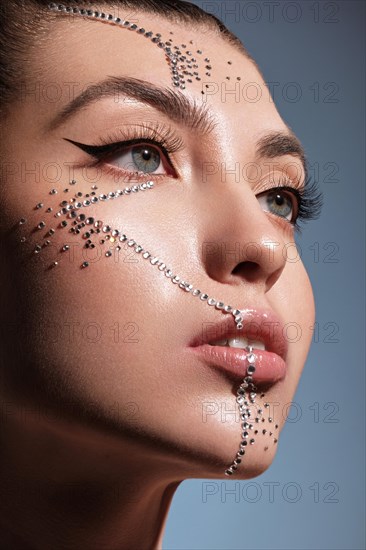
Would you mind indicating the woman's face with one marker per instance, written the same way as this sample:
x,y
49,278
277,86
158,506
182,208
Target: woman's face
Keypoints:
x,y
108,345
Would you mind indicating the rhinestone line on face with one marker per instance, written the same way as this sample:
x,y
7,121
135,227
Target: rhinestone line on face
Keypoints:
x,y
180,62
246,396
70,210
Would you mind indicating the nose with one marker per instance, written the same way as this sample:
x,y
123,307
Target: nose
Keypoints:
x,y
240,241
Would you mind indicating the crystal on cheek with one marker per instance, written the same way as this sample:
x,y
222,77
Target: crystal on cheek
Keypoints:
x,y
246,394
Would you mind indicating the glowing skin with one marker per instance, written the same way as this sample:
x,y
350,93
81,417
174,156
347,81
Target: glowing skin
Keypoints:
x,y
107,407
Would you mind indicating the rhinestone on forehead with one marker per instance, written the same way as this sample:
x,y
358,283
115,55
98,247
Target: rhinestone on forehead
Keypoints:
x,y
178,61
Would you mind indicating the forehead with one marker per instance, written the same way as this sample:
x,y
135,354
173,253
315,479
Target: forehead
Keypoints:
x,y
198,52
80,52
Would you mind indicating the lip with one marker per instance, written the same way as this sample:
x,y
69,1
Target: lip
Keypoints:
x,y
263,325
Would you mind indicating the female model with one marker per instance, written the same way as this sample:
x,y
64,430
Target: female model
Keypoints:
x,y
150,196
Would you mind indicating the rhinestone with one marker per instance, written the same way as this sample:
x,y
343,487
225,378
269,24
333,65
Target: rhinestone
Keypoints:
x,y
251,358
169,273
123,238
162,267
106,228
211,302
85,264
145,255
39,205
37,249
228,309
41,225
108,253
219,305
252,441
176,279
55,264
203,297
22,221
196,292
251,369
131,242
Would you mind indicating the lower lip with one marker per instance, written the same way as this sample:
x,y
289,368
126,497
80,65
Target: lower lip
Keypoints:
x,y
269,367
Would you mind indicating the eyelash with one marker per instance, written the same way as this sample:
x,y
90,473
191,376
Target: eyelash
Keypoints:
x,y
160,136
309,198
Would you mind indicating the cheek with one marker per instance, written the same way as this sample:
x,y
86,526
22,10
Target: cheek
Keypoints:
x,y
292,297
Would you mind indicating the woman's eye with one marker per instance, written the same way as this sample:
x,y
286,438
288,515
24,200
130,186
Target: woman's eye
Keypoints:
x,y
140,158
279,203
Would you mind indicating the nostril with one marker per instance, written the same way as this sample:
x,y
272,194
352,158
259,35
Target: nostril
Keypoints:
x,y
248,270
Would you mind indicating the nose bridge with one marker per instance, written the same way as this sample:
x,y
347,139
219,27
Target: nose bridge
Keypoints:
x,y
239,240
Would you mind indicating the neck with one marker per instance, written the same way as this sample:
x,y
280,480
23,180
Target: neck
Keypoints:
x,y
70,485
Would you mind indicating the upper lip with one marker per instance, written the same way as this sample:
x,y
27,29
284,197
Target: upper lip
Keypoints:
x,y
263,325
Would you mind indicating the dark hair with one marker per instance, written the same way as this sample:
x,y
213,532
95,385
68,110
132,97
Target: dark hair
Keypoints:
x,y
24,21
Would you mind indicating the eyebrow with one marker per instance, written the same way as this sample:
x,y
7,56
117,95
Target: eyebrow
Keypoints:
x,y
278,144
171,103
178,108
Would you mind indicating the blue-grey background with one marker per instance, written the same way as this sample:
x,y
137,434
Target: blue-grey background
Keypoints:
x,y
318,476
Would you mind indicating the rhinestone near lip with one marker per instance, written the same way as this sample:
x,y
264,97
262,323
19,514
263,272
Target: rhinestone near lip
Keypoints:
x,y
251,358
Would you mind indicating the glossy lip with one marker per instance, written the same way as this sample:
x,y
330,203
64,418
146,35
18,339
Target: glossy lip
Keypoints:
x,y
257,325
